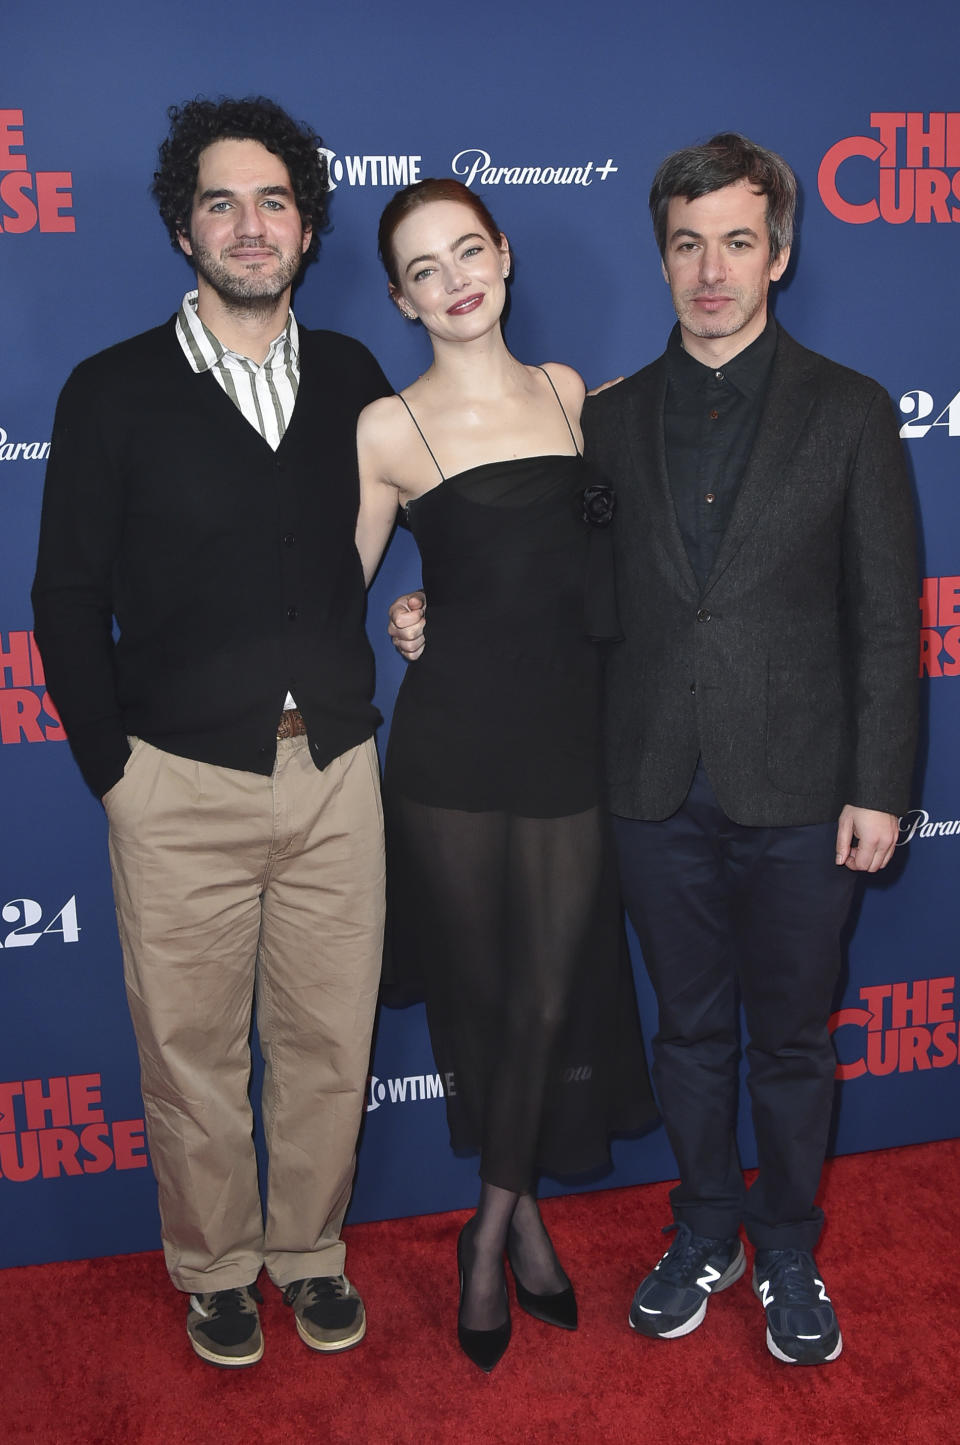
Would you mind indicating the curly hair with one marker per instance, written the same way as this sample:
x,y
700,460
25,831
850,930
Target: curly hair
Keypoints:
x,y
722,161
198,123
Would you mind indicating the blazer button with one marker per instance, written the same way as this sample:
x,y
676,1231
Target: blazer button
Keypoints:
x,y
292,613
703,615
693,688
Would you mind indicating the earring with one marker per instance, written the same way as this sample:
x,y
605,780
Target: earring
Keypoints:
x,y
407,314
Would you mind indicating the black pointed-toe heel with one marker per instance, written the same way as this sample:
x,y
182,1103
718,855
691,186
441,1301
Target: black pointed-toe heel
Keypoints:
x,y
484,1347
558,1309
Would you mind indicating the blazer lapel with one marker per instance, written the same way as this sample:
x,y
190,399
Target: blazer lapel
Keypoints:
x,y
643,423
790,397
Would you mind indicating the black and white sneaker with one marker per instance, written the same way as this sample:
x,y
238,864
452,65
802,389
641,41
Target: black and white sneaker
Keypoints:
x,y
672,1300
329,1312
802,1328
224,1327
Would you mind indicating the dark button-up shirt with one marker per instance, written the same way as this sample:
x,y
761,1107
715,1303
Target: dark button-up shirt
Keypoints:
x,y
710,421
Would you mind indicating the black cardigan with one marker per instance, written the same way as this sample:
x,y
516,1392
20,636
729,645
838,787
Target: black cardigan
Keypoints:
x,y
230,569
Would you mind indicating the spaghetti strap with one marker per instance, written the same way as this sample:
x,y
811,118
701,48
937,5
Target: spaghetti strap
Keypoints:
x,y
559,404
423,438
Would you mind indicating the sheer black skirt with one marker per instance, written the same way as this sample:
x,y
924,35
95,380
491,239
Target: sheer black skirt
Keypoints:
x,y
512,928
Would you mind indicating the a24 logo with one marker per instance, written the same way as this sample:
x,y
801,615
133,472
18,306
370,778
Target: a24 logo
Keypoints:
x,y
919,405
27,914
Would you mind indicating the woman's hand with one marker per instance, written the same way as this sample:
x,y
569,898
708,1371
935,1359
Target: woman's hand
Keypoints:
x,y
604,386
408,624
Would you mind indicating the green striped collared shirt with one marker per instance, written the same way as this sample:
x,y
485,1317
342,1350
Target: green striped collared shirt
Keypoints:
x,y
264,394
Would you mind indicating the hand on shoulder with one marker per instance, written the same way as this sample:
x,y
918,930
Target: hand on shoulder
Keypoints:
x,y
605,386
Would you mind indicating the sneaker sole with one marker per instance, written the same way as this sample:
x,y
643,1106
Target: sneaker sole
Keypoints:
x,y
333,1347
729,1277
228,1362
778,1354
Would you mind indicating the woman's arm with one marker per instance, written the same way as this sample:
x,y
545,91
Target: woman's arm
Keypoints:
x,y
379,498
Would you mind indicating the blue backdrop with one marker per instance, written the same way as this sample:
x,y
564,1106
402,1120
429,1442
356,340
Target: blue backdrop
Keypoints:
x,y
559,116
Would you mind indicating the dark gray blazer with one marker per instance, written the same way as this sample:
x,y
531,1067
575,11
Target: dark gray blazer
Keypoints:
x,y
793,672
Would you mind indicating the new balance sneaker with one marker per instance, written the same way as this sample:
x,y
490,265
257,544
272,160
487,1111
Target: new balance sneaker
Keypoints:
x,y
802,1328
224,1327
672,1300
329,1312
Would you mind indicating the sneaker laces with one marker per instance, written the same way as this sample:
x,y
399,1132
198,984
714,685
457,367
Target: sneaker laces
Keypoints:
x,y
315,1289
686,1254
791,1276
224,1302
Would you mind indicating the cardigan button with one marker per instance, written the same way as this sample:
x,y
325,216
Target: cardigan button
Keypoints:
x,y
289,539
703,615
292,613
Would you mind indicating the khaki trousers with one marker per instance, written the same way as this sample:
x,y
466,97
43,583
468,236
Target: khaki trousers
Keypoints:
x,y
231,886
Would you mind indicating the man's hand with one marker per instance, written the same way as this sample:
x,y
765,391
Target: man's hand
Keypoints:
x,y
866,839
407,624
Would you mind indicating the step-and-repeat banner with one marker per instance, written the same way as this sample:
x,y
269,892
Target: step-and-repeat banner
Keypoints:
x,y
558,116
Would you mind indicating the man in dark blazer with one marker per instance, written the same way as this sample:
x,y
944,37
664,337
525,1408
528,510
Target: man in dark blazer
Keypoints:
x,y
761,723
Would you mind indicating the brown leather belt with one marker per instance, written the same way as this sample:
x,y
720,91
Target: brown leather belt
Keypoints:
x,y
291,724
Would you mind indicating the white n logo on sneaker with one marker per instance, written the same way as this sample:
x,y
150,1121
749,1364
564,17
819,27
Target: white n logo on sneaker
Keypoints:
x,y
823,1293
709,1278
766,1293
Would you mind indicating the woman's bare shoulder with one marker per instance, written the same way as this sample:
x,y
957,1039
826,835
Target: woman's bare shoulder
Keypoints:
x,y
569,383
382,422
379,413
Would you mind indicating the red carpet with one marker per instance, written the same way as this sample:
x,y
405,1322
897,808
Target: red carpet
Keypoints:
x,y
95,1353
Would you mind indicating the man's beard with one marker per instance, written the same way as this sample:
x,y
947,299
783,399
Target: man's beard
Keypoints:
x,y
746,304
250,291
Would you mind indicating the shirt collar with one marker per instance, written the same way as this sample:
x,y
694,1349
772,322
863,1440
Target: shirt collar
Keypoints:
x,y
203,350
747,372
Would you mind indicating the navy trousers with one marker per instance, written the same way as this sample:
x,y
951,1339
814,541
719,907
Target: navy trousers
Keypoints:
x,y
728,914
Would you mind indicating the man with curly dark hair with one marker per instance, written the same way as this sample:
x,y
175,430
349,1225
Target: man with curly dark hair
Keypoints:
x,y
199,123
202,495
